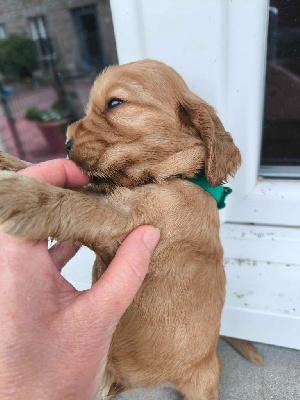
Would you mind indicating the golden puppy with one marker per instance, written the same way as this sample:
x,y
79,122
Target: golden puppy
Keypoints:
x,y
143,134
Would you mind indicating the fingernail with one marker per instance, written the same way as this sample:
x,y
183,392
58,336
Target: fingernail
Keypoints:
x,y
151,238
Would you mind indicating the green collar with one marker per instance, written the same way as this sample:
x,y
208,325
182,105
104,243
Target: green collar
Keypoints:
x,y
219,193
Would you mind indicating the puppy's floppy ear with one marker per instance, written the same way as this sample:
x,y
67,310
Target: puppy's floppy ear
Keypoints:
x,y
222,156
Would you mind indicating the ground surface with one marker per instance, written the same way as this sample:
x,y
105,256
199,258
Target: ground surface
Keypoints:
x,y
278,379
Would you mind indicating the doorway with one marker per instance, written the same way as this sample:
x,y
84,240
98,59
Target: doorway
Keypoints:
x,y
87,26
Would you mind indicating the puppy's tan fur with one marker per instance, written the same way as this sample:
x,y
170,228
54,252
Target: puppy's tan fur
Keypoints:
x,y
137,155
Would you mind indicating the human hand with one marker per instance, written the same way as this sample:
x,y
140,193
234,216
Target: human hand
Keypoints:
x,y
54,340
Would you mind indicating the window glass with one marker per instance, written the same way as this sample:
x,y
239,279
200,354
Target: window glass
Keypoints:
x,y
281,127
2,32
50,54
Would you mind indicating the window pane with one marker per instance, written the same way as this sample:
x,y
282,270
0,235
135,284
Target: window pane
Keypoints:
x,y
281,127
2,32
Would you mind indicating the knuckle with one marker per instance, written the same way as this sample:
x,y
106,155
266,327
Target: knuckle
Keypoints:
x,y
136,263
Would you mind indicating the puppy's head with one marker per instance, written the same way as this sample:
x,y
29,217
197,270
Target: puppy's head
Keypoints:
x,y
144,125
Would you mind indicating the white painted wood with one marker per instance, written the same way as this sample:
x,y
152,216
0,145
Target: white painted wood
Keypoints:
x,y
191,39
274,202
268,287
262,265
259,326
247,35
270,244
128,28
78,271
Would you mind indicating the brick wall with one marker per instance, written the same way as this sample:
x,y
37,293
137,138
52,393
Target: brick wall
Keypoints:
x,y
15,15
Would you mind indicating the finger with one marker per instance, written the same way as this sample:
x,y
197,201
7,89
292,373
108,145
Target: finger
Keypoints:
x,y
60,172
115,290
61,254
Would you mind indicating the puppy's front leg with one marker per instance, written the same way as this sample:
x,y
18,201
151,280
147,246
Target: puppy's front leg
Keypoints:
x,y
35,210
11,163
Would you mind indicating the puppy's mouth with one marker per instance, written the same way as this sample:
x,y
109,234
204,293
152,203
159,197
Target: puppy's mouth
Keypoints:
x,y
97,180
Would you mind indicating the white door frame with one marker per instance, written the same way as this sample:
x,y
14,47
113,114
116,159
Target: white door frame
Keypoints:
x,y
256,200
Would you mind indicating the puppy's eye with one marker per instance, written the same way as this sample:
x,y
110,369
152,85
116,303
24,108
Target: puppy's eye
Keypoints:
x,y
114,103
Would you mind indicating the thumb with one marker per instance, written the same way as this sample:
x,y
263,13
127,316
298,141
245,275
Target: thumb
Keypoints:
x,y
115,290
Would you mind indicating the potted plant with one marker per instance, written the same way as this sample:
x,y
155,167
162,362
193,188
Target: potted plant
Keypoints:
x,y
53,123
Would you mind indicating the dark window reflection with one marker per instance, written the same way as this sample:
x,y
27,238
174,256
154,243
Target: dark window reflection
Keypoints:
x,y
281,130
50,54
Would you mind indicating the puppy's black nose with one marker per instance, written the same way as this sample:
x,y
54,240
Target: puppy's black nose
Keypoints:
x,y
69,145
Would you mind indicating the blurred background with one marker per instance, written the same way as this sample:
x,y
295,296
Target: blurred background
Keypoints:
x,y
52,50
50,54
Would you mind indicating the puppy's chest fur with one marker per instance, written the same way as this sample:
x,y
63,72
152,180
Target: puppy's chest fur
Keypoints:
x,y
188,258
184,212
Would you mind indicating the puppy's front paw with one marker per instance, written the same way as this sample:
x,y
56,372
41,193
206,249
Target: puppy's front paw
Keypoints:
x,y
21,200
11,163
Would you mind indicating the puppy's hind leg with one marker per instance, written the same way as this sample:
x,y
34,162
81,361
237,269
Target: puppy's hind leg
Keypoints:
x,y
11,163
106,382
116,388
191,392
202,383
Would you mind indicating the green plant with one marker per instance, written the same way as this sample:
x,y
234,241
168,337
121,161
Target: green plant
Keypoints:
x,y
67,106
60,109
17,54
35,114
